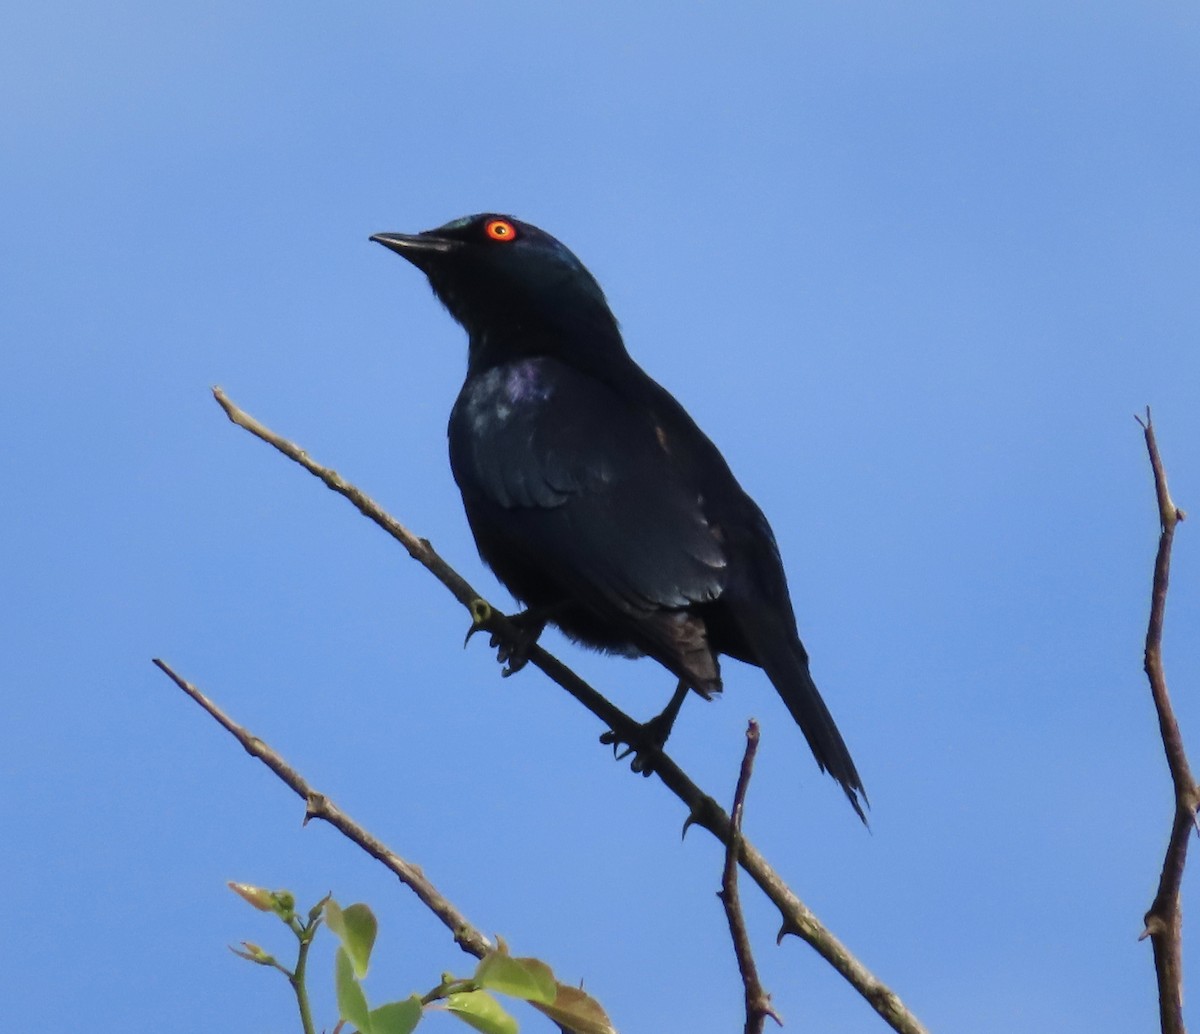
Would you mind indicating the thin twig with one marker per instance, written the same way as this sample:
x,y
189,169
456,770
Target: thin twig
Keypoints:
x,y
1164,920
758,1001
318,806
703,811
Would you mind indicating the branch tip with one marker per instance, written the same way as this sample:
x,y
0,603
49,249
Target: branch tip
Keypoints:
x,y
1163,921
757,1000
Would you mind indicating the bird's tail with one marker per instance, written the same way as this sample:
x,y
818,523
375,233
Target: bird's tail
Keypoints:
x,y
783,658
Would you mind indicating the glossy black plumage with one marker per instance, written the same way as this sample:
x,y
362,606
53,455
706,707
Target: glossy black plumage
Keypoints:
x,y
590,491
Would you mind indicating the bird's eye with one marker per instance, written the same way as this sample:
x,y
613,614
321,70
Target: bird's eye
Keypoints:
x,y
500,230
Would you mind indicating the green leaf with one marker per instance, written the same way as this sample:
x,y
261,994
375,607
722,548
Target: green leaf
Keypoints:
x,y
355,927
577,1011
352,1003
397,1017
530,979
480,1010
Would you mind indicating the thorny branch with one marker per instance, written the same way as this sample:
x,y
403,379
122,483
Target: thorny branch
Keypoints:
x,y
703,811
1164,920
758,1001
318,806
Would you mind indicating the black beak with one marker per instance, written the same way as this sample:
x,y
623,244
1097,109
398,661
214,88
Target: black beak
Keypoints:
x,y
413,246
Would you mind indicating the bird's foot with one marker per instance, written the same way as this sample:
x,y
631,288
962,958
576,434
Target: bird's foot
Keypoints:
x,y
652,735
648,742
513,652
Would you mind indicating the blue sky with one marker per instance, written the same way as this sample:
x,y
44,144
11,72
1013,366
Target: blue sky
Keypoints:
x,y
912,268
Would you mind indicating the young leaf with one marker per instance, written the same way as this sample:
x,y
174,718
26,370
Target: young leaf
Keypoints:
x,y
355,927
530,979
577,1011
480,1010
397,1017
314,913
253,953
352,1003
259,897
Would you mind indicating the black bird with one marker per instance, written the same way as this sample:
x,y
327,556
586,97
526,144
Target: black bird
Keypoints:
x,y
592,494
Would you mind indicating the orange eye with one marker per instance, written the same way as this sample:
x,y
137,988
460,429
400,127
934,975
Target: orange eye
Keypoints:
x,y
500,230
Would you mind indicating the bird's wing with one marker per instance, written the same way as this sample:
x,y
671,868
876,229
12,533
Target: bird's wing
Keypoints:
x,y
581,480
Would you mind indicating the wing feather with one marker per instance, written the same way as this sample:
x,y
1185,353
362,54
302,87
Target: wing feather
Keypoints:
x,y
577,479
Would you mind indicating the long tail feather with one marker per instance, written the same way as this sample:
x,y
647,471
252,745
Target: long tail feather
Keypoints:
x,y
782,657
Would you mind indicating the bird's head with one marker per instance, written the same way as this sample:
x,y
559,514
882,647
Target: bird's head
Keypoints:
x,y
515,289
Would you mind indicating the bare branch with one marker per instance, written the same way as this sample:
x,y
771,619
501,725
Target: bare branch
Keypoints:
x,y
703,811
1164,920
318,806
758,1001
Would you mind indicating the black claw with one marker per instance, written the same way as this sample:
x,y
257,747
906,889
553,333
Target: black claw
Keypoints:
x,y
611,739
652,735
648,741
513,654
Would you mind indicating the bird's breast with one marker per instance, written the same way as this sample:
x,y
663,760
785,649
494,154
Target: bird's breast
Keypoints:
x,y
491,400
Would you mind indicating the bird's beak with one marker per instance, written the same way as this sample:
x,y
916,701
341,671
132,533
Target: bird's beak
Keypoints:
x,y
414,245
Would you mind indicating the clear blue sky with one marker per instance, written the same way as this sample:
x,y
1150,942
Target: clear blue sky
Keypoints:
x,y
914,268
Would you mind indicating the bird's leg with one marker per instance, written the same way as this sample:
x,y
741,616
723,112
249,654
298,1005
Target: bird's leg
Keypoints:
x,y
512,653
659,728
654,733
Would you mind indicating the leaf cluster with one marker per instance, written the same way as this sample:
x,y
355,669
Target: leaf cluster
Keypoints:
x,y
471,999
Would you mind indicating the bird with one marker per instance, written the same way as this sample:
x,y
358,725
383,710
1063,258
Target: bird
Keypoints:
x,y
593,495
